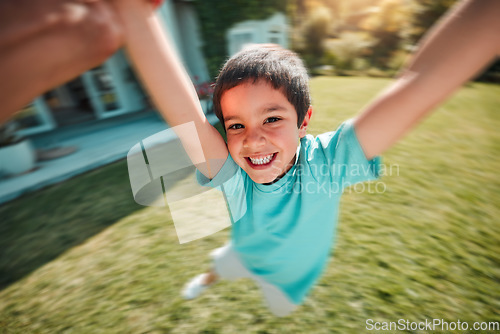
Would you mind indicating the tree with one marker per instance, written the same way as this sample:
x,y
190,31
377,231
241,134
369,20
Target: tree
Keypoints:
x,y
217,16
314,33
388,25
427,13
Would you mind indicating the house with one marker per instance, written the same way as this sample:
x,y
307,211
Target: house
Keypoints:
x,y
112,89
272,30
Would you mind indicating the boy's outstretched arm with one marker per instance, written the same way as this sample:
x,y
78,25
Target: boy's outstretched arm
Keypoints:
x,y
463,43
169,84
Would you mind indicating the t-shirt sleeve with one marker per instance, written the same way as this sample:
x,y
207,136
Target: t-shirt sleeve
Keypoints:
x,y
229,170
347,161
230,181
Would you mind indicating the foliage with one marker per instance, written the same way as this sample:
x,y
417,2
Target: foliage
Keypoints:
x,y
348,50
427,13
385,23
314,32
217,16
388,26
324,31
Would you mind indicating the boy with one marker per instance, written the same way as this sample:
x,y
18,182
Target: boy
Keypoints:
x,y
282,238
291,192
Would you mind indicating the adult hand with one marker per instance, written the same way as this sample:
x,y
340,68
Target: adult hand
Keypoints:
x,y
45,43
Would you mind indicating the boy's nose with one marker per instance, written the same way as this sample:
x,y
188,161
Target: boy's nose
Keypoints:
x,y
253,139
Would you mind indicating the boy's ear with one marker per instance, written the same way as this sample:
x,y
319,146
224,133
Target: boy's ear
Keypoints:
x,y
305,122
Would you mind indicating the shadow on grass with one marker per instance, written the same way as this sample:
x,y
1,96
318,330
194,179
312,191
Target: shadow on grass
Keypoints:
x,y
38,227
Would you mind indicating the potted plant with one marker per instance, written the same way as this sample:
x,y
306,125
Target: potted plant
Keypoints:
x,y
16,152
205,91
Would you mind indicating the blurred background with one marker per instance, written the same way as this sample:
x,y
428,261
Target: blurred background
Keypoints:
x,y
370,38
342,37
77,254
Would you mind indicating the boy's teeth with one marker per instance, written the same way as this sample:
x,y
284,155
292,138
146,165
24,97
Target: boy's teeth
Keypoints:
x,y
262,161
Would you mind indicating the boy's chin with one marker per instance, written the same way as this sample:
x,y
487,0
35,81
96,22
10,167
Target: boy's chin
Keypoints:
x,y
263,180
267,178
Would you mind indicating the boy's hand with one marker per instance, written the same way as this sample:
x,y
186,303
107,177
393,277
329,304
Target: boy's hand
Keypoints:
x,y
455,50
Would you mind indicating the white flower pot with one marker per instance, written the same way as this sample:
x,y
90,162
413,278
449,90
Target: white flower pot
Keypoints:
x,y
17,158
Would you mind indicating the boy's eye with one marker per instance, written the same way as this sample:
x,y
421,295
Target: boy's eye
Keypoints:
x,y
235,127
272,119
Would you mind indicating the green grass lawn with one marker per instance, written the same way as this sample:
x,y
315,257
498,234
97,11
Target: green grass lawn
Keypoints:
x,y
83,257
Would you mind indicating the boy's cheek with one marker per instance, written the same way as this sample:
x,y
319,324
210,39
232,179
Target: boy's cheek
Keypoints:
x,y
232,145
234,152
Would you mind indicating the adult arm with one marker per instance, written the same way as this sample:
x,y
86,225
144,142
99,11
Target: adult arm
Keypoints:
x,y
463,43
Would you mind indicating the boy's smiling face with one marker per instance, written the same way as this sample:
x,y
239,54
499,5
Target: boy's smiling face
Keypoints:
x,y
262,133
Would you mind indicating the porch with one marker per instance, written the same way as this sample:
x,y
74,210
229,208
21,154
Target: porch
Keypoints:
x,y
97,143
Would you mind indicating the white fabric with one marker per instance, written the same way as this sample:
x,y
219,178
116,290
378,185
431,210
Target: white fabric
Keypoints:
x,y
194,287
228,266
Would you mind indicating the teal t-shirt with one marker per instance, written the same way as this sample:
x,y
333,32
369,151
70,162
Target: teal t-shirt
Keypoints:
x,y
283,232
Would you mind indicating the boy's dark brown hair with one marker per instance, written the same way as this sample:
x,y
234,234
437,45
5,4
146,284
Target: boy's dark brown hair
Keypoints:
x,y
281,68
